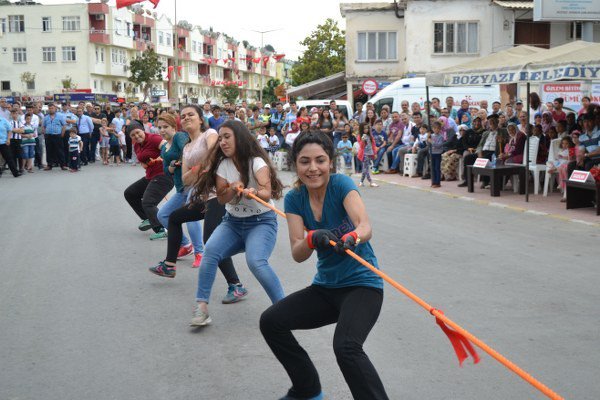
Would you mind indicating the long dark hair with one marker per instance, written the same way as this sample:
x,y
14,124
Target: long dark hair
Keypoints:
x,y
313,136
246,149
534,100
361,129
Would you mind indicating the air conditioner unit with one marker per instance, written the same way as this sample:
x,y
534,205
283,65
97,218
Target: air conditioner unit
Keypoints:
x,y
99,17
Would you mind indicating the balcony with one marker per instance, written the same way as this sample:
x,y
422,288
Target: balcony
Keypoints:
x,y
98,8
100,37
184,55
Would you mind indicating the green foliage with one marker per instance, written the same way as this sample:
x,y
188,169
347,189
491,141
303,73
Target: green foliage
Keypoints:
x,y
146,69
268,91
230,92
325,54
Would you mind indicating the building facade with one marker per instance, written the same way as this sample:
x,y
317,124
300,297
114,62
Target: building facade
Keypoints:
x,y
50,49
390,40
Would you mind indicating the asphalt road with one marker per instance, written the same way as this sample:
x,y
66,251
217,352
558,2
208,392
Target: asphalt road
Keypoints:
x,y
82,318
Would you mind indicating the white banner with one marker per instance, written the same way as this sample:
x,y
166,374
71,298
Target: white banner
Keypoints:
x,y
566,10
571,92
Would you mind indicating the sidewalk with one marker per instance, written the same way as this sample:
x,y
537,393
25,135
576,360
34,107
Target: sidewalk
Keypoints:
x,y
546,206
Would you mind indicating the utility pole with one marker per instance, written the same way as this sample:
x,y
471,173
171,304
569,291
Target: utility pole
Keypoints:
x,y
174,75
262,44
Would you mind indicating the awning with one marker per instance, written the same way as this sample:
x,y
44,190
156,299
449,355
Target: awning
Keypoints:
x,y
577,60
515,5
320,88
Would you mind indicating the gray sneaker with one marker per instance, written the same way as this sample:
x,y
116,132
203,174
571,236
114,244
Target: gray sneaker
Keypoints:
x,y
200,318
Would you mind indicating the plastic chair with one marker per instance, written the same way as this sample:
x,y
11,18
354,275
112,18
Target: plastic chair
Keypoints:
x,y
549,177
410,165
534,144
341,165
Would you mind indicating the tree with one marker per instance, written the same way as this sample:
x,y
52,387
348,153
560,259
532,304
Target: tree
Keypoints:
x,y
325,54
27,78
230,92
269,90
68,83
146,69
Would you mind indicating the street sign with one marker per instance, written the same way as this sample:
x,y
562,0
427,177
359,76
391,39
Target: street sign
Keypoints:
x,y
369,87
158,92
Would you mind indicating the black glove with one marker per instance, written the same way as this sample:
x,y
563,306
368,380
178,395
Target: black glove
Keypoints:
x,y
348,242
319,239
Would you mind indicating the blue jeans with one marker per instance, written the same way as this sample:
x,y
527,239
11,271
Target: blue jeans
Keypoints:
x,y
380,153
234,235
176,201
436,169
397,160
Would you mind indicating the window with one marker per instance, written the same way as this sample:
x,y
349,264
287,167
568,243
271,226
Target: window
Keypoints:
x,y
118,26
455,37
19,55
6,85
101,85
71,23
118,57
3,25
128,29
99,55
377,46
161,38
49,54
95,84
46,24
16,23
69,54
168,37
193,69
31,85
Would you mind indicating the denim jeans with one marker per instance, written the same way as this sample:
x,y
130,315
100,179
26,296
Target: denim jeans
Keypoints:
x,y
397,159
380,153
234,235
436,169
194,227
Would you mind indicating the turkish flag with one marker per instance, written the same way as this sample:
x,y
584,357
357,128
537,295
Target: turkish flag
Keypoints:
x,y
278,57
179,69
265,60
126,3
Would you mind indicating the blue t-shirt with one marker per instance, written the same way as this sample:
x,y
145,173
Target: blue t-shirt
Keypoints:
x,y
215,123
334,270
4,129
379,137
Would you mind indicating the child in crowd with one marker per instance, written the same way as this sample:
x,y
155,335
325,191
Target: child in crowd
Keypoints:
x,y
28,144
104,141
293,133
381,142
344,148
122,143
436,142
421,141
273,141
366,153
115,149
262,138
75,147
561,164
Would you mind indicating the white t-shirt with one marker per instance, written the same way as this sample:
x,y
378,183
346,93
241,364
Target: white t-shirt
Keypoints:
x,y
121,137
263,140
241,206
273,140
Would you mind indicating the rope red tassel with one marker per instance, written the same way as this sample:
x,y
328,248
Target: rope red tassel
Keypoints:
x,y
460,343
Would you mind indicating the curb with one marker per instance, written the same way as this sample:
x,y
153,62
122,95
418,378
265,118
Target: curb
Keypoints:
x,y
492,203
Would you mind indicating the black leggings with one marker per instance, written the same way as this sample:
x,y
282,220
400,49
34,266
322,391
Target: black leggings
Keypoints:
x,y
144,196
212,212
355,309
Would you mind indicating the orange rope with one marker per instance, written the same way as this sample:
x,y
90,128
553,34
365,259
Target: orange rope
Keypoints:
x,y
440,316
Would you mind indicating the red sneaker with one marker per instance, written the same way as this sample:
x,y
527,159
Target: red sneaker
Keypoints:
x,y
185,251
197,260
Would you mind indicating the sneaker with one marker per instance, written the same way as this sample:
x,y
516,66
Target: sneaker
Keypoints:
x,y
197,260
200,317
376,172
144,225
373,184
162,234
361,184
162,269
463,184
185,251
317,397
234,294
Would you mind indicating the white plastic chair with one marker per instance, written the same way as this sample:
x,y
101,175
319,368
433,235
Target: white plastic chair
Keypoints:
x,y
410,165
550,178
534,143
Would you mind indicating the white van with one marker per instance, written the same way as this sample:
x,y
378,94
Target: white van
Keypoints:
x,y
343,105
413,89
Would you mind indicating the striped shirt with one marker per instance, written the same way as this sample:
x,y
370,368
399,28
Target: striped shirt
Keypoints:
x,y
16,124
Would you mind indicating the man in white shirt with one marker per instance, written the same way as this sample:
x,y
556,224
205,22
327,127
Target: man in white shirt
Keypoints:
x,y
4,109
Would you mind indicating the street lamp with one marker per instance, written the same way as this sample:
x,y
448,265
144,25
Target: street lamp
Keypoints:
x,y
262,44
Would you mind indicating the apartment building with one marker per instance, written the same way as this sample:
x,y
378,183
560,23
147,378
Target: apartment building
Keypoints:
x,y
49,49
391,40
